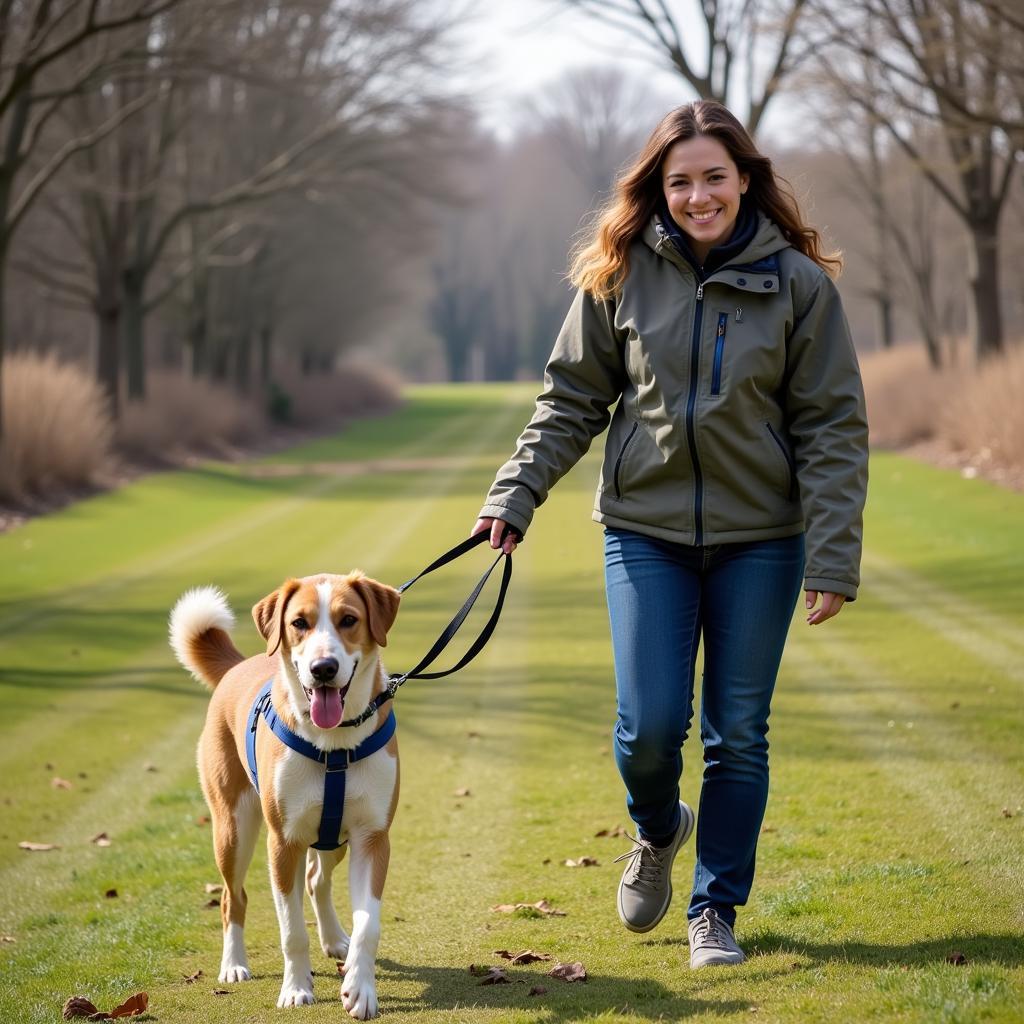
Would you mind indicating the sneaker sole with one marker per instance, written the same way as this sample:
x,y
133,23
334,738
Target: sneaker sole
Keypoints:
x,y
689,819
718,960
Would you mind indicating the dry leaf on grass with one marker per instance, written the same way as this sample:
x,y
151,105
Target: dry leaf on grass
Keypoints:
x,y
37,847
213,887
489,975
132,1006
211,903
111,894
7,938
191,979
537,990
540,907
150,767
58,783
569,972
464,791
100,839
79,1006
1007,813
582,862
956,957
610,832
221,992
527,956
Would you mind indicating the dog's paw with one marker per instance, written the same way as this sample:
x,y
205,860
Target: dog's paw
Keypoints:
x,y
292,995
235,972
359,992
336,949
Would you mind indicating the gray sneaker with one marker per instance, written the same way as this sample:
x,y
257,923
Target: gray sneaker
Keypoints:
x,y
712,941
645,890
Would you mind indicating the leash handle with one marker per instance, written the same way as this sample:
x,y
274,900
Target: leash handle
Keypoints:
x,y
456,552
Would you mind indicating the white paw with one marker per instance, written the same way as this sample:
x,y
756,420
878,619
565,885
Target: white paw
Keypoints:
x,y
295,995
359,992
235,972
337,949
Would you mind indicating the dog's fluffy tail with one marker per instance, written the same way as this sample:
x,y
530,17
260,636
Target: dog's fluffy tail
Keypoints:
x,y
200,625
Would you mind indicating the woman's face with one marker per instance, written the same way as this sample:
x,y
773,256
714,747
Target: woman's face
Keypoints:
x,y
703,186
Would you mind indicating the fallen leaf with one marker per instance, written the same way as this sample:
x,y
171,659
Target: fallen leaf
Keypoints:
x,y
211,903
48,766
569,972
83,775
537,990
582,862
464,791
611,833
527,956
213,887
1007,813
546,860
221,992
78,1006
58,783
473,735
150,767
7,938
111,894
100,839
192,978
956,957
37,847
489,975
540,907
132,1006
955,704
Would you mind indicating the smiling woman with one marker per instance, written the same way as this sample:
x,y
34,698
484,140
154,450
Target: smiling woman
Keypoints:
x,y
707,317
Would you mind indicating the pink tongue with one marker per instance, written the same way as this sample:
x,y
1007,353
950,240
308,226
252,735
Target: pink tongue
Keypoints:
x,y
325,708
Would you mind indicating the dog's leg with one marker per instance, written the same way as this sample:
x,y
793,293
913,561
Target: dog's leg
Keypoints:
x,y
319,865
234,837
367,870
286,868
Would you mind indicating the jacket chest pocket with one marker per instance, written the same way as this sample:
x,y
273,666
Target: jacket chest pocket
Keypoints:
x,y
742,352
718,353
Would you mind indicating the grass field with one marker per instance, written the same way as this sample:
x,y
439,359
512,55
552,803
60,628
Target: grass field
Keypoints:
x,y
895,828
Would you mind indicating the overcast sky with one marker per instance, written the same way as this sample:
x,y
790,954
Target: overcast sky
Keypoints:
x,y
520,46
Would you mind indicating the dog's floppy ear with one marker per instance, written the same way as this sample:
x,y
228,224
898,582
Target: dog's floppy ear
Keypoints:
x,y
268,614
381,606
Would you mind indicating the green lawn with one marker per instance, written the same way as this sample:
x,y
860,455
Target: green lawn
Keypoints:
x,y
895,828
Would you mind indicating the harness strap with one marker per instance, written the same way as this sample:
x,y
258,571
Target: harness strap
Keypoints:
x,y
452,628
335,762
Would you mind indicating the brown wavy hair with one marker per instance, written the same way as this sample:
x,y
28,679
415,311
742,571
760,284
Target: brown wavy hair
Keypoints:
x,y
599,262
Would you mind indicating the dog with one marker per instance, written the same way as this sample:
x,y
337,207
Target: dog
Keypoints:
x,y
323,635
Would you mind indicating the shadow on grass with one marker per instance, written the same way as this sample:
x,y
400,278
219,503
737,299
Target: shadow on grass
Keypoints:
x,y
449,988
142,677
981,949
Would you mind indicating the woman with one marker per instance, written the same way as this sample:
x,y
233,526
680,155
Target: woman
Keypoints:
x,y
735,466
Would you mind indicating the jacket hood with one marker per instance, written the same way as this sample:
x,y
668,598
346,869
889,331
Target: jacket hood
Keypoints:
x,y
766,242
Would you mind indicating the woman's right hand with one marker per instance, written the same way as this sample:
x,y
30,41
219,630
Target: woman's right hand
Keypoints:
x,y
497,527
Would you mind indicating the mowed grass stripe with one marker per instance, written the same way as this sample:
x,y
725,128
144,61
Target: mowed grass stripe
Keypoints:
x,y
209,538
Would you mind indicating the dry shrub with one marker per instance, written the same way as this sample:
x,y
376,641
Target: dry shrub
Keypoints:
x,y
56,429
905,396
351,390
183,414
984,416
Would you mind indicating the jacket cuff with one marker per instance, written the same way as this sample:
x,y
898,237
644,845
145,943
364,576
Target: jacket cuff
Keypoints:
x,y
826,585
515,518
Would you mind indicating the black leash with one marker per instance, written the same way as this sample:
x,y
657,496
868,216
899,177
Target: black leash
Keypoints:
x,y
452,628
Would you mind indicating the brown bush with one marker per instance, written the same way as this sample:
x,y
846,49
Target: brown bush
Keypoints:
x,y
323,399
56,429
183,414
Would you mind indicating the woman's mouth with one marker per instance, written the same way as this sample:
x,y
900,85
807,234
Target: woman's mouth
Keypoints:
x,y
704,216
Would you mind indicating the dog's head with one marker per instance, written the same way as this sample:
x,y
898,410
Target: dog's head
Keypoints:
x,y
328,630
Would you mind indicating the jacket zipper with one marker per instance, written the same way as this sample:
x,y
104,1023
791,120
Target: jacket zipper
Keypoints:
x,y
716,373
786,456
691,406
618,461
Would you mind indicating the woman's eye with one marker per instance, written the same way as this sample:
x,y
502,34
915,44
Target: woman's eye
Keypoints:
x,y
347,621
300,623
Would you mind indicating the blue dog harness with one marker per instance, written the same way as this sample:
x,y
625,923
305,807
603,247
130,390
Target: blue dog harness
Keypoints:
x,y
335,762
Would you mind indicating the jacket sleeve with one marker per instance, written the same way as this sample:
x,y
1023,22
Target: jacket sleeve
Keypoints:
x,y
583,377
828,425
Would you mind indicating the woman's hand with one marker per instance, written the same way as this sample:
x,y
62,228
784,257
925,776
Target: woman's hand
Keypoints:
x,y
830,605
497,528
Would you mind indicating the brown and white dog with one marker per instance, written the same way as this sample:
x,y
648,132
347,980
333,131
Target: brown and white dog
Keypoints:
x,y
323,637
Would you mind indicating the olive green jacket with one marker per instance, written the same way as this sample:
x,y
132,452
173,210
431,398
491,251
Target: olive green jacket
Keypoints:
x,y
739,412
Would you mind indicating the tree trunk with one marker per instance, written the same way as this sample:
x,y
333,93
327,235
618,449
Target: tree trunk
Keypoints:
x,y
3,322
243,363
108,363
986,316
266,337
885,319
134,322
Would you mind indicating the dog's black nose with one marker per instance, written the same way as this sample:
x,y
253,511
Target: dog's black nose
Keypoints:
x,y
324,669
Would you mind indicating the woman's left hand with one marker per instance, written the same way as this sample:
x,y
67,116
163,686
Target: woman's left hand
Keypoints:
x,y
830,605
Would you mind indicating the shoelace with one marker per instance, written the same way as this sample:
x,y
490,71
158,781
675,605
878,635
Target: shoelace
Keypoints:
x,y
645,867
712,931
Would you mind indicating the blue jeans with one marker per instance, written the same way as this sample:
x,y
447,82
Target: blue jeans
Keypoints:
x,y
662,599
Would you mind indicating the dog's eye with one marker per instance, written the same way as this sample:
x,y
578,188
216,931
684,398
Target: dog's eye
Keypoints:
x,y
300,623
347,621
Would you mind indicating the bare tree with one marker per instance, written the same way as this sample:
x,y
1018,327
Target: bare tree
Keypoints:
x,y
738,52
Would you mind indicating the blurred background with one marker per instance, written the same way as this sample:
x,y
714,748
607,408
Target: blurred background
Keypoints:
x,y
225,219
